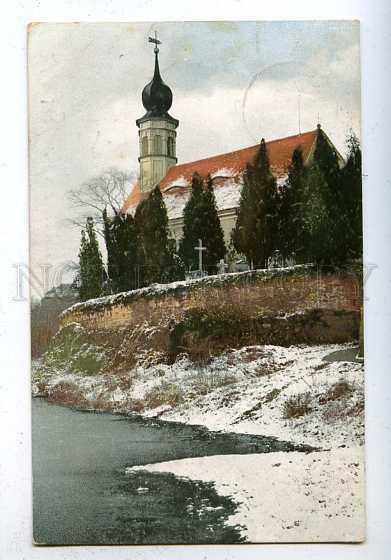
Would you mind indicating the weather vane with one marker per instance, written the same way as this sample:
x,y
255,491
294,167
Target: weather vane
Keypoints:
x,y
156,41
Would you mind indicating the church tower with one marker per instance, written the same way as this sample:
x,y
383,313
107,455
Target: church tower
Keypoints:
x,y
157,130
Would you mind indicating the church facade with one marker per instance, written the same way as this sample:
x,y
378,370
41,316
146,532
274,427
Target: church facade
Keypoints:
x,y
158,162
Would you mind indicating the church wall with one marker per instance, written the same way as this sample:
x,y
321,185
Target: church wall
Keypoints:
x,y
227,220
176,230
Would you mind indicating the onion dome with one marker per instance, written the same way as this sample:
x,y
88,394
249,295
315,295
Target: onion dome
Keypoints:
x,y
157,96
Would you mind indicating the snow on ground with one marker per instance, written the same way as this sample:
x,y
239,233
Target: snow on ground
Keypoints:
x,y
244,391
255,403
305,394
286,497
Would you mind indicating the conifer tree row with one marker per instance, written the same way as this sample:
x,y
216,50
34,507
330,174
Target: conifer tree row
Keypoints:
x,y
331,205
316,216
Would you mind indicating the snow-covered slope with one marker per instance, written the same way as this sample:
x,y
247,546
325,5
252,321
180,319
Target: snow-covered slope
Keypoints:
x,y
247,390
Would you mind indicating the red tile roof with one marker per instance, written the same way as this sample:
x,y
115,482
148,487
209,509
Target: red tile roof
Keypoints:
x,y
279,152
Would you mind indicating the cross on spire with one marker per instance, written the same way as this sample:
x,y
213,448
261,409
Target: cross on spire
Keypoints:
x,y
156,42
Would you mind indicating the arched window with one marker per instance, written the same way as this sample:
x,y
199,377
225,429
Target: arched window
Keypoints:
x,y
144,146
157,145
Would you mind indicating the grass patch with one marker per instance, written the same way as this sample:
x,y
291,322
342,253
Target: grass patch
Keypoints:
x,y
206,383
340,389
297,405
165,393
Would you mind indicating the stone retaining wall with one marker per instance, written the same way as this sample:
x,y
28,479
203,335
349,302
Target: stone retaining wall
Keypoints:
x,y
246,295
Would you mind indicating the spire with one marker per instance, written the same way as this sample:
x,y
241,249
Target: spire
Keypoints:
x,y
155,40
156,74
156,95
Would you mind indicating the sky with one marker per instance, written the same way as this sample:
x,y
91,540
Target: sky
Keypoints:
x,y
232,82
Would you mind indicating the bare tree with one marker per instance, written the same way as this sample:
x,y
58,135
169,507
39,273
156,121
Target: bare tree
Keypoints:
x,y
107,191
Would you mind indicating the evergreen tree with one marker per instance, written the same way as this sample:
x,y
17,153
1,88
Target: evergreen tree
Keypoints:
x,y
121,244
91,265
290,209
201,221
255,232
328,163
155,253
127,242
351,191
193,224
318,225
326,157
320,207
340,190
212,232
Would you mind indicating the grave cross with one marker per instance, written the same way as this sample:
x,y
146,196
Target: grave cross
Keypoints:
x,y
200,248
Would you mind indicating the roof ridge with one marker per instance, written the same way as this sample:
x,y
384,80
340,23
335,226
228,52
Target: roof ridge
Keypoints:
x,y
243,149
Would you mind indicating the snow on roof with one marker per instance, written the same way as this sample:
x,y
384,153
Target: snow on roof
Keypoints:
x,y
224,172
228,194
179,182
227,166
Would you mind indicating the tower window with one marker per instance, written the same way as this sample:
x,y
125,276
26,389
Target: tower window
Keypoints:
x,y
157,144
144,147
170,146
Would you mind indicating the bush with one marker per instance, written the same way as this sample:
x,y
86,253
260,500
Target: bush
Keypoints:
x,y
273,394
66,393
88,360
165,393
336,391
205,383
297,405
73,349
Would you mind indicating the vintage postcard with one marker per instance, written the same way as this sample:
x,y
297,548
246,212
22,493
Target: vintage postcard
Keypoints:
x,y
196,282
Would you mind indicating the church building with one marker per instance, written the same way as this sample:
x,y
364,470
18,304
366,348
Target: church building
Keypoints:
x,y
158,162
